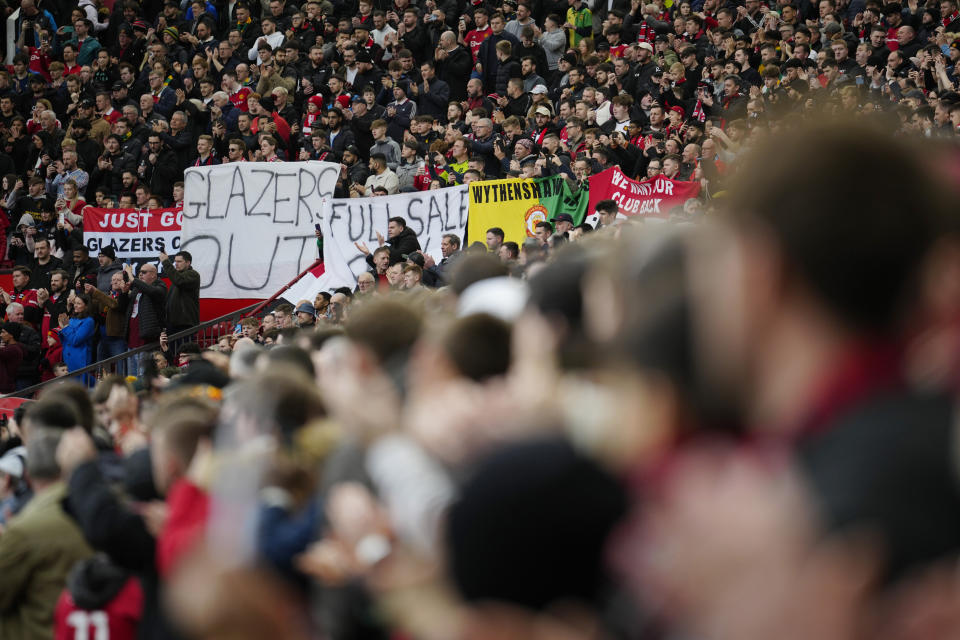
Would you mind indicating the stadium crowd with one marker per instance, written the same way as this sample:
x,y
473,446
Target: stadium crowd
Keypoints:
x,y
741,429
738,429
108,102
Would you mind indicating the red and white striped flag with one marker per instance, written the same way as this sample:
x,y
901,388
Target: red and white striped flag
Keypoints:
x,y
698,112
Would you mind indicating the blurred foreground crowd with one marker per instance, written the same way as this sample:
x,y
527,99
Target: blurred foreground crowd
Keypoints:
x,y
741,429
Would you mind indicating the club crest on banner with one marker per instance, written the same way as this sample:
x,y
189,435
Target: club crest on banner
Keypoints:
x,y
535,214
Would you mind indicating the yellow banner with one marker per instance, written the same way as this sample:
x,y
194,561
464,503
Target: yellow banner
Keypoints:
x,y
512,205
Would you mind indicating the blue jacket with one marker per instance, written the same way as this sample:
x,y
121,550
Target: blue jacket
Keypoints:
x,y
77,338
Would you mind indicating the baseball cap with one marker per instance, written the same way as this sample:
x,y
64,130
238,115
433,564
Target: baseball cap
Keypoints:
x,y
117,86
543,110
564,217
645,45
415,258
539,89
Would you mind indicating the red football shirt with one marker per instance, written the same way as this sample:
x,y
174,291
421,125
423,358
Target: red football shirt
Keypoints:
x,y
116,621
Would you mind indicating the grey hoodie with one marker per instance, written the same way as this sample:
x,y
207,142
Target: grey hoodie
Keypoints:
x,y
389,148
105,273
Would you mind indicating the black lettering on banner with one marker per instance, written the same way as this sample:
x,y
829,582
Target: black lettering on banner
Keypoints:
x,y
336,172
367,213
301,195
277,200
233,281
193,208
276,245
363,264
464,208
415,220
303,245
478,191
434,213
237,190
252,210
207,243
351,219
446,212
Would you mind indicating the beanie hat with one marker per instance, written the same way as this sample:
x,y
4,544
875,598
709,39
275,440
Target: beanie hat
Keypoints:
x,y
13,328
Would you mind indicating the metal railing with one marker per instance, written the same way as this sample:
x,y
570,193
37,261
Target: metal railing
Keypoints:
x,y
206,333
266,303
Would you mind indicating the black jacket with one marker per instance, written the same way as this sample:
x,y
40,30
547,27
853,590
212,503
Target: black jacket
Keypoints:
x,y
152,307
109,526
455,71
40,273
29,341
434,102
78,271
183,300
509,68
405,243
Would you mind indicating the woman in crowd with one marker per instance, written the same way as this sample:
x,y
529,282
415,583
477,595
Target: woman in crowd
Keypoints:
x,y
77,331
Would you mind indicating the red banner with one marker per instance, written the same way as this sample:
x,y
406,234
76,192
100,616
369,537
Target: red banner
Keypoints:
x,y
137,235
652,198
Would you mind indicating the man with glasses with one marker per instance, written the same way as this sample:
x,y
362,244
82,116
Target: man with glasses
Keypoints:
x,y
148,296
164,98
222,59
236,151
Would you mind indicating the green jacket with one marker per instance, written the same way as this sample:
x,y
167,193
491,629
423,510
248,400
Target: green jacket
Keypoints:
x,y
183,300
37,551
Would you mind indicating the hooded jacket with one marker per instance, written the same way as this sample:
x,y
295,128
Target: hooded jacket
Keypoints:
x,y
183,301
406,242
97,586
105,273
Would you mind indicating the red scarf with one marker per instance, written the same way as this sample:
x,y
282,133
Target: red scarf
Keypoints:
x,y
950,18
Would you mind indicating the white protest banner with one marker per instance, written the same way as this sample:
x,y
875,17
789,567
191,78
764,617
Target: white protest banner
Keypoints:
x,y
430,214
136,235
250,226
